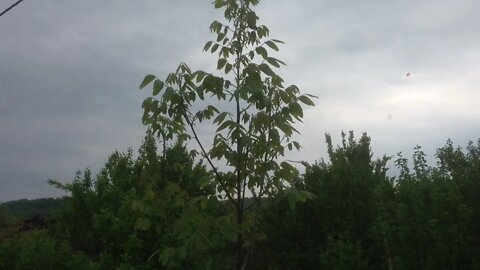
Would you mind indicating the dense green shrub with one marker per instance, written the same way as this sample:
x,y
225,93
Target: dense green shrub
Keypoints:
x,y
38,250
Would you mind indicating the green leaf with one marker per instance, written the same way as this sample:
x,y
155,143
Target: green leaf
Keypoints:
x,y
225,51
221,63
214,48
220,3
286,98
306,195
224,42
157,86
220,117
277,81
169,92
228,68
272,45
146,103
245,117
183,137
252,37
147,80
285,128
252,20
280,61
273,61
211,108
167,256
292,198
220,37
203,181
287,166
306,100
297,145
267,70
199,76
295,109
261,32
142,224
292,89
224,125
216,152
262,51
137,206
207,46
283,125
199,91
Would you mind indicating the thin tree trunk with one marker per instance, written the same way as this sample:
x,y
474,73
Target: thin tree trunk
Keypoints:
x,y
389,255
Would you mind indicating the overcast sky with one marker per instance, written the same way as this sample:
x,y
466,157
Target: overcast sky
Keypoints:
x,y
69,74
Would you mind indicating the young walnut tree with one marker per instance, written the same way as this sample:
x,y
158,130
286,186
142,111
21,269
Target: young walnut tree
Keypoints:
x,y
254,131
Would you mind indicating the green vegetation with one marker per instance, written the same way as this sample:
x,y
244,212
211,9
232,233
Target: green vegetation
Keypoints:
x,y
253,127
38,250
362,219
236,203
136,210
25,209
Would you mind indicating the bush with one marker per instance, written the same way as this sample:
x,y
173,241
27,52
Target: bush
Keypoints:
x,y
38,250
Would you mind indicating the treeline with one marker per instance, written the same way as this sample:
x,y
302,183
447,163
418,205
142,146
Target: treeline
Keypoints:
x,y
26,209
160,211
426,218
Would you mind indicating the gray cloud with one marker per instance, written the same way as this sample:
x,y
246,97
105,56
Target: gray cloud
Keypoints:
x,y
69,71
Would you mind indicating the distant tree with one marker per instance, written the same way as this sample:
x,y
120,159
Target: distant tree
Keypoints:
x,y
6,219
424,218
462,166
130,209
26,209
433,218
339,228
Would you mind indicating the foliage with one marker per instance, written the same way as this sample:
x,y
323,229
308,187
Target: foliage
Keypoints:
x,y
253,121
337,225
6,219
148,212
166,211
37,249
115,216
363,219
432,217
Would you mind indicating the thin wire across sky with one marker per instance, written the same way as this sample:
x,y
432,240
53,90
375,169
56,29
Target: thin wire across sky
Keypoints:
x,y
10,7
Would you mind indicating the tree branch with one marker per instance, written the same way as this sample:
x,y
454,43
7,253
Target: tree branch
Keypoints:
x,y
205,155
